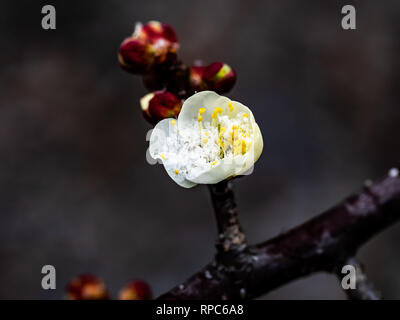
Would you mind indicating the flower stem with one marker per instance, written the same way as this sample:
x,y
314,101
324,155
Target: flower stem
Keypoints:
x,y
231,240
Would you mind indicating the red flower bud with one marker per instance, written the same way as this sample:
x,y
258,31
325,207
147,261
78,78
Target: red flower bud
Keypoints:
x,y
196,78
136,290
219,77
151,44
160,105
86,287
135,55
155,30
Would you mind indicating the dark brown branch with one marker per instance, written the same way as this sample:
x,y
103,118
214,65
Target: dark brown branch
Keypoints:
x,y
231,239
364,289
320,244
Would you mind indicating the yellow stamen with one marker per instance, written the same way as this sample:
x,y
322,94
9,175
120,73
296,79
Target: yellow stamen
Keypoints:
x,y
234,132
237,146
173,122
215,112
200,118
205,140
230,105
243,146
176,171
245,115
221,143
201,111
162,156
206,133
214,162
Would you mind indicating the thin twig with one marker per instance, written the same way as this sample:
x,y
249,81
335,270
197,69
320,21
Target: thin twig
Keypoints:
x,y
364,289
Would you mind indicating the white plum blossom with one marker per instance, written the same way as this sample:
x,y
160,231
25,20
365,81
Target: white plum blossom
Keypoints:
x,y
213,139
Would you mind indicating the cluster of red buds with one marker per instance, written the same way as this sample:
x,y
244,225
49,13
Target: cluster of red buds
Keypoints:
x,y
151,51
90,287
150,45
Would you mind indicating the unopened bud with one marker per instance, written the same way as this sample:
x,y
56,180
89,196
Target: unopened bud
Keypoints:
x,y
86,287
196,78
136,290
135,56
155,30
151,44
219,77
160,105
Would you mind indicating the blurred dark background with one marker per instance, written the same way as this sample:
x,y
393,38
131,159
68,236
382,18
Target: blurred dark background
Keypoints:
x,y
77,192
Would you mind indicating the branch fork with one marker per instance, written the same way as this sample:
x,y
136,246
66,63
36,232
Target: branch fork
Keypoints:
x,y
322,244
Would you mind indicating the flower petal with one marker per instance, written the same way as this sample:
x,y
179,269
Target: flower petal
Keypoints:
x,y
258,144
166,129
179,178
222,170
208,113
190,109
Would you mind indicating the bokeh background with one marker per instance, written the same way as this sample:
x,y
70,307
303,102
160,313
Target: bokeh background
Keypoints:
x,y
77,192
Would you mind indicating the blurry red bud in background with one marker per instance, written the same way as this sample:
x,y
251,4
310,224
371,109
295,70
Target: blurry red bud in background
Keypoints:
x,y
136,290
86,287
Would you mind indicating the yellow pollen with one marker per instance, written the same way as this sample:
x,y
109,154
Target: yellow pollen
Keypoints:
x,y
234,127
176,171
214,162
162,156
230,105
216,111
205,140
245,115
206,133
173,122
201,111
